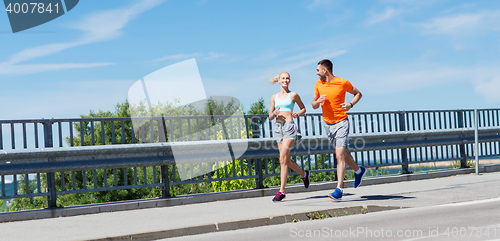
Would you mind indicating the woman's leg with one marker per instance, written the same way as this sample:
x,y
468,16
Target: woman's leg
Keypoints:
x,y
294,166
286,161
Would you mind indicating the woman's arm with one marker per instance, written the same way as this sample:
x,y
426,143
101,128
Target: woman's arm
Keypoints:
x,y
271,110
296,99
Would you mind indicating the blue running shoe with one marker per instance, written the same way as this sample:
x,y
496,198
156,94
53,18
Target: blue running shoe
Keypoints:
x,y
358,178
336,195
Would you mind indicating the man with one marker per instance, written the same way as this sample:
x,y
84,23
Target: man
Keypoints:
x,y
329,92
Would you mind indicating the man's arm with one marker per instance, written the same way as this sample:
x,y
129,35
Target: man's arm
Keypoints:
x,y
355,99
317,100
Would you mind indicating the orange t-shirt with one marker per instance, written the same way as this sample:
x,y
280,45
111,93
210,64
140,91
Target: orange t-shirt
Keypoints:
x,y
335,95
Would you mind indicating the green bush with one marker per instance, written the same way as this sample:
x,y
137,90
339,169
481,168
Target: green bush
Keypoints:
x,y
228,185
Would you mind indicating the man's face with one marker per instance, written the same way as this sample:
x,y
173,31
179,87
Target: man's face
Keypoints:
x,y
321,72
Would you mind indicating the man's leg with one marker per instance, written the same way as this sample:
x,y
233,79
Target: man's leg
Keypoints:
x,y
350,161
339,152
343,158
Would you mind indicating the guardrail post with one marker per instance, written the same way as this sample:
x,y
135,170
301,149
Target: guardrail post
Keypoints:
x,y
255,127
51,177
404,156
165,188
476,142
51,184
463,156
162,134
335,177
259,181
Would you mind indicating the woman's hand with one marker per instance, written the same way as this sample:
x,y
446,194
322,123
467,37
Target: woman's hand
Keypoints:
x,y
295,115
277,112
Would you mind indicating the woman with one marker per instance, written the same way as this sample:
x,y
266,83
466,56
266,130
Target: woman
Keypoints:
x,y
285,129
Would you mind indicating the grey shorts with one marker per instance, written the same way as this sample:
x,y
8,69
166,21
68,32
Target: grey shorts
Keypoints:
x,y
338,133
286,130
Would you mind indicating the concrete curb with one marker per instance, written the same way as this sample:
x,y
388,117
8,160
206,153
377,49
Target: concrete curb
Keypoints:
x,y
251,223
211,197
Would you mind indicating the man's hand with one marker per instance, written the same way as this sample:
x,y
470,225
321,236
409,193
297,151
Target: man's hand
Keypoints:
x,y
317,100
346,106
321,99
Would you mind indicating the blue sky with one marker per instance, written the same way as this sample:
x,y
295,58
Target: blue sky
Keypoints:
x,y
402,55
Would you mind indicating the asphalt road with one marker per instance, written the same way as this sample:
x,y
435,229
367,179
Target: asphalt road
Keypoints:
x,y
462,207
472,220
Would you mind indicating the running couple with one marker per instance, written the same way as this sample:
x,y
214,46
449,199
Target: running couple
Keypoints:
x,y
329,92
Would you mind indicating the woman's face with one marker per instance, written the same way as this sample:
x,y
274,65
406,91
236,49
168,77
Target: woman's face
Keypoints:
x,y
284,79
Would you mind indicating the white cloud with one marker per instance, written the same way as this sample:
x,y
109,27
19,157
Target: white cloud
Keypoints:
x,y
415,77
398,78
176,57
388,14
64,99
201,2
489,89
96,27
213,55
302,60
487,82
321,4
107,25
35,68
460,24
210,55
39,51
297,62
254,82
333,19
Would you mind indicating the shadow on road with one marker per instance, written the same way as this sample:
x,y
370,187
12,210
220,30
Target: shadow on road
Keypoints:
x,y
362,198
313,197
382,197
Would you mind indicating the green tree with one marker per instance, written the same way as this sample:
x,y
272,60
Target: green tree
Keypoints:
x,y
258,108
27,203
218,107
225,107
112,129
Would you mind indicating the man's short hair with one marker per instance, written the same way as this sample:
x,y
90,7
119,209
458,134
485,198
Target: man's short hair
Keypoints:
x,y
327,64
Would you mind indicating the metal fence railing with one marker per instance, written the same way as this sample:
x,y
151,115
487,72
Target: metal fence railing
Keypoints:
x,y
44,156
25,134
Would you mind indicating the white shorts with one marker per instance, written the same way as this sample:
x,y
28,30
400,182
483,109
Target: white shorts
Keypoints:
x,y
338,133
286,130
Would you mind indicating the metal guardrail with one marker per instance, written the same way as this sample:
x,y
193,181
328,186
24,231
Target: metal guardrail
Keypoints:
x,y
204,154
377,139
119,156
26,134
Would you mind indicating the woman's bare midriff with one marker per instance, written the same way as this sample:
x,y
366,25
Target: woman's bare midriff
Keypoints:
x,y
284,116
